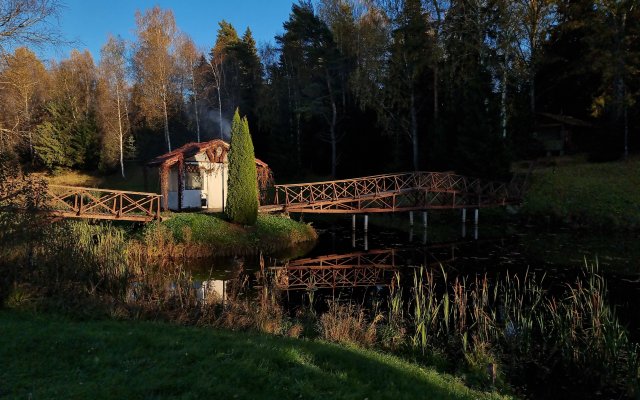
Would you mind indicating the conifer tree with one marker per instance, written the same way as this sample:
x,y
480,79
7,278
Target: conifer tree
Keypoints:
x,y
242,199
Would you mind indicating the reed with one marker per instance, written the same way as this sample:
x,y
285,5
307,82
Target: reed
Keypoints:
x,y
349,324
514,320
393,333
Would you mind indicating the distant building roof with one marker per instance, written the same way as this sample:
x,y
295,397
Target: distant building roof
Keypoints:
x,y
566,119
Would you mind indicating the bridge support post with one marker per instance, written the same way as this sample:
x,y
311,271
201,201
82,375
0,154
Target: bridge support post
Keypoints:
x,y
366,223
476,216
353,222
424,219
410,218
366,242
464,215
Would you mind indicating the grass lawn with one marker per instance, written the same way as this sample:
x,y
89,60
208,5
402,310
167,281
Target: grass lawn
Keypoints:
x,y
134,180
271,233
595,194
46,357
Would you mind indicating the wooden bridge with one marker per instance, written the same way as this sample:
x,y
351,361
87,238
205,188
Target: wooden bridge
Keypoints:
x,y
81,202
395,192
359,269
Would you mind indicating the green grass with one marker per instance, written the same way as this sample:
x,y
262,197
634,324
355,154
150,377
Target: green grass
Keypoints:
x,y
45,357
134,180
604,195
270,233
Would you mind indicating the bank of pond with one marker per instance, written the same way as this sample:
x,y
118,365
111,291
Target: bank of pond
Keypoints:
x,y
472,305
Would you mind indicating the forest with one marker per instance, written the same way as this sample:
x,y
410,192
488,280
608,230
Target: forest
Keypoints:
x,y
349,88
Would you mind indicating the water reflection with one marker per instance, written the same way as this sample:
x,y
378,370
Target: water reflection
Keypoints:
x,y
358,269
211,291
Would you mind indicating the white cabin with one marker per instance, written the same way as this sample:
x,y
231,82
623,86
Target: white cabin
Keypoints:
x,y
195,176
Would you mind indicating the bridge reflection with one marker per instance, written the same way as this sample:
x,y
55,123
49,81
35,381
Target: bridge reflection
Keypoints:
x,y
358,269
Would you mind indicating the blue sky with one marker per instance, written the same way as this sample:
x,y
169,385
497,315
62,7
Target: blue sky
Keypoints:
x,y
89,22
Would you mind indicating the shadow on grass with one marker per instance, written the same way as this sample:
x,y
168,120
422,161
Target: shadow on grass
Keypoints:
x,y
53,357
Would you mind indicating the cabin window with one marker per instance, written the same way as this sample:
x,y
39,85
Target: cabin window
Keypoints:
x,y
193,180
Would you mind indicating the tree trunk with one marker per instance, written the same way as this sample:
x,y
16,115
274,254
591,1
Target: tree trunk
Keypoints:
x,y
332,127
626,132
414,129
298,142
195,103
166,118
121,134
435,94
220,113
503,102
334,140
28,119
532,93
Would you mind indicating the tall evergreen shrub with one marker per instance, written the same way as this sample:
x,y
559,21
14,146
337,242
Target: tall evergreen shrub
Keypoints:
x,y
242,199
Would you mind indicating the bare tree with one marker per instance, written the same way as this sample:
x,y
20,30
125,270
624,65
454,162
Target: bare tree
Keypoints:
x,y
28,23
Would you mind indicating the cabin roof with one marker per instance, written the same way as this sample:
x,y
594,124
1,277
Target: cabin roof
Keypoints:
x,y
565,119
191,150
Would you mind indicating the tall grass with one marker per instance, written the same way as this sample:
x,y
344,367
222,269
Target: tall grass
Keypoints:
x,y
513,321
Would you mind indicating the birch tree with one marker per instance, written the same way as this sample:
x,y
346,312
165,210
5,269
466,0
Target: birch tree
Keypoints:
x,y
189,57
154,63
112,102
538,18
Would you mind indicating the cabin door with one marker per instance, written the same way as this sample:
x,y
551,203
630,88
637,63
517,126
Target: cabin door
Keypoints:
x,y
215,187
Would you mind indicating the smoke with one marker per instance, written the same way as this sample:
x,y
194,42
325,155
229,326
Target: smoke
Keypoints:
x,y
210,125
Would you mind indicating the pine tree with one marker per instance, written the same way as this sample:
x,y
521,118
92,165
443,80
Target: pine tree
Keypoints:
x,y
242,199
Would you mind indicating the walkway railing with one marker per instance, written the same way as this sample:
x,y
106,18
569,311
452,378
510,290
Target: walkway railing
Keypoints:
x,y
81,202
393,192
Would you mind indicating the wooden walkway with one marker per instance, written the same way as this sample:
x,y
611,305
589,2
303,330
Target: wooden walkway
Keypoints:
x,y
394,192
81,202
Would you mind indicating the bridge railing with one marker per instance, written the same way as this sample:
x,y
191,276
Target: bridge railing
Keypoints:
x,y
380,185
335,271
81,202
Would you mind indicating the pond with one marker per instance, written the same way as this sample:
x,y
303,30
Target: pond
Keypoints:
x,y
560,254
359,267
